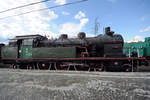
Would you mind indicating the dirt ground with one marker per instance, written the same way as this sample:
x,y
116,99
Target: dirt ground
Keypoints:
x,y
63,85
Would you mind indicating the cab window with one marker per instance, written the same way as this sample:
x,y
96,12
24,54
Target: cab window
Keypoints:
x,y
28,42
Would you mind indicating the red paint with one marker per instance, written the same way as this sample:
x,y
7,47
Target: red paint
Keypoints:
x,y
74,59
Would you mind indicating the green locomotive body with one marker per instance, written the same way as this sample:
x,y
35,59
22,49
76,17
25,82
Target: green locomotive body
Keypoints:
x,y
142,49
102,52
26,50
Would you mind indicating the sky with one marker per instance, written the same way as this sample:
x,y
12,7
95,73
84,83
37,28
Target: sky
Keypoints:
x,y
130,18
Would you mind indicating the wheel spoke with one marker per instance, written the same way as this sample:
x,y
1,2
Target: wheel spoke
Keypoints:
x,y
55,66
50,65
75,68
89,69
68,67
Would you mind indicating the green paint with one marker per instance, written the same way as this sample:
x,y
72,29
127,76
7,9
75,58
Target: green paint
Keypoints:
x,y
142,47
148,51
9,52
54,52
27,52
135,47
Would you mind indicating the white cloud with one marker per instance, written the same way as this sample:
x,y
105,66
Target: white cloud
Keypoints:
x,y
145,30
65,13
72,29
137,38
32,23
61,2
79,15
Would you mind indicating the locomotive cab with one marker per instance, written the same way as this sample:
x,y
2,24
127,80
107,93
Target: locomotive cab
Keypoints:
x,y
19,47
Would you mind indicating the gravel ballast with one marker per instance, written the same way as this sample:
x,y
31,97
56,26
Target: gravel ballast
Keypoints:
x,y
67,85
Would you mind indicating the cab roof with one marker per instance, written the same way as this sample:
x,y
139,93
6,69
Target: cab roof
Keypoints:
x,y
27,37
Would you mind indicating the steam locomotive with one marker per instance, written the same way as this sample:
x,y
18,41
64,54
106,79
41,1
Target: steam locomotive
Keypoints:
x,y
99,53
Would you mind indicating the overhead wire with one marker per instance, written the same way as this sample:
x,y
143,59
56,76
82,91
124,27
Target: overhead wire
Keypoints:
x,y
24,6
44,9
